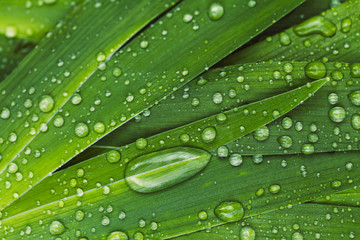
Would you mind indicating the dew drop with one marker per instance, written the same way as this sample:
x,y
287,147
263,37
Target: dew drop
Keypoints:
x,y
216,11
56,228
5,113
76,99
222,151
315,70
99,127
81,130
141,143
235,160
285,141
337,114
275,188
346,24
307,148
187,18
284,39
13,168
117,235
202,215
355,121
297,236
46,103
208,134
217,98
333,98
355,70
229,211
262,133
58,121
286,123
162,169
113,156
247,233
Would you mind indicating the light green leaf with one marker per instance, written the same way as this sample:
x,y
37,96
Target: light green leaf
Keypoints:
x,y
346,198
135,78
249,82
90,185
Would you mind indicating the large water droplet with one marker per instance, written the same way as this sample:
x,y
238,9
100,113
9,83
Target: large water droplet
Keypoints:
x,y
56,228
316,25
162,169
337,114
355,121
315,70
229,211
216,11
46,103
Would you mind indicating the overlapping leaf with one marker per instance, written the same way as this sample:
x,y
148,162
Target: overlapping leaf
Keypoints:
x,y
138,76
205,134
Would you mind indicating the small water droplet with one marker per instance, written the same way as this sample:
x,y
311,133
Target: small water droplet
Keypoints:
x,y
113,156
229,211
235,160
46,103
141,143
337,114
81,130
56,228
5,113
315,70
307,148
216,11
275,188
117,235
262,133
247,233
208,135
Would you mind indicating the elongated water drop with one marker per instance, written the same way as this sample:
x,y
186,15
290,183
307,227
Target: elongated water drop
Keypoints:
x,y
229,211
159,170
316,25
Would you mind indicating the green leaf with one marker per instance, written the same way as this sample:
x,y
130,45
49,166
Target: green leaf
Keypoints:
x,y
90,185
29,20
305,221
346,198
138,76
249,82
47,78
289,46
